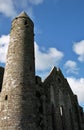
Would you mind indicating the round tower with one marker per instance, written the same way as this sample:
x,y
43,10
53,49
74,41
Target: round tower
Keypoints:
x,y
18,91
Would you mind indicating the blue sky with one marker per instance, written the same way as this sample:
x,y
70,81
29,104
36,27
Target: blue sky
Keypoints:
x,y
59,36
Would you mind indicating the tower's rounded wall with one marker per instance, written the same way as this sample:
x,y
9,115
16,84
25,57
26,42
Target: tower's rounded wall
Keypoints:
x,y
18,84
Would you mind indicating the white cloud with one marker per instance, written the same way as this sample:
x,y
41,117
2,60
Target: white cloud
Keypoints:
x,y
71,67
4,40
7,8
78,48
77,86
45,60
11,8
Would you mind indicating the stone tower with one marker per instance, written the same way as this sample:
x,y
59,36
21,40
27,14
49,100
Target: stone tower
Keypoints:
x,y
18,91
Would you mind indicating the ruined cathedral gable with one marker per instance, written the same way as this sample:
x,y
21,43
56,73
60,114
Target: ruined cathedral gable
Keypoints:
x,y
27,103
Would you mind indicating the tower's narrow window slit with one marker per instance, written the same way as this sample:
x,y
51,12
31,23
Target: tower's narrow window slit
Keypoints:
x,y
6,97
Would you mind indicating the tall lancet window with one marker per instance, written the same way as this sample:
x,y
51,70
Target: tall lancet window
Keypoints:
x,y
62,114
53,108
61,110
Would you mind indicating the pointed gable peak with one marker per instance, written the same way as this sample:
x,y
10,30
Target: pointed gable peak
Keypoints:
x,y
54,69
54,73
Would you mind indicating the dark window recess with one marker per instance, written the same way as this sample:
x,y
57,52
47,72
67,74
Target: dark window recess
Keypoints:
x,y
25,22
16,18
6,97
59,80
38,95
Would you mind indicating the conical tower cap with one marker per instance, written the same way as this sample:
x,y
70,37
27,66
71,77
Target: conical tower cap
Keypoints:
x,y
23,14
